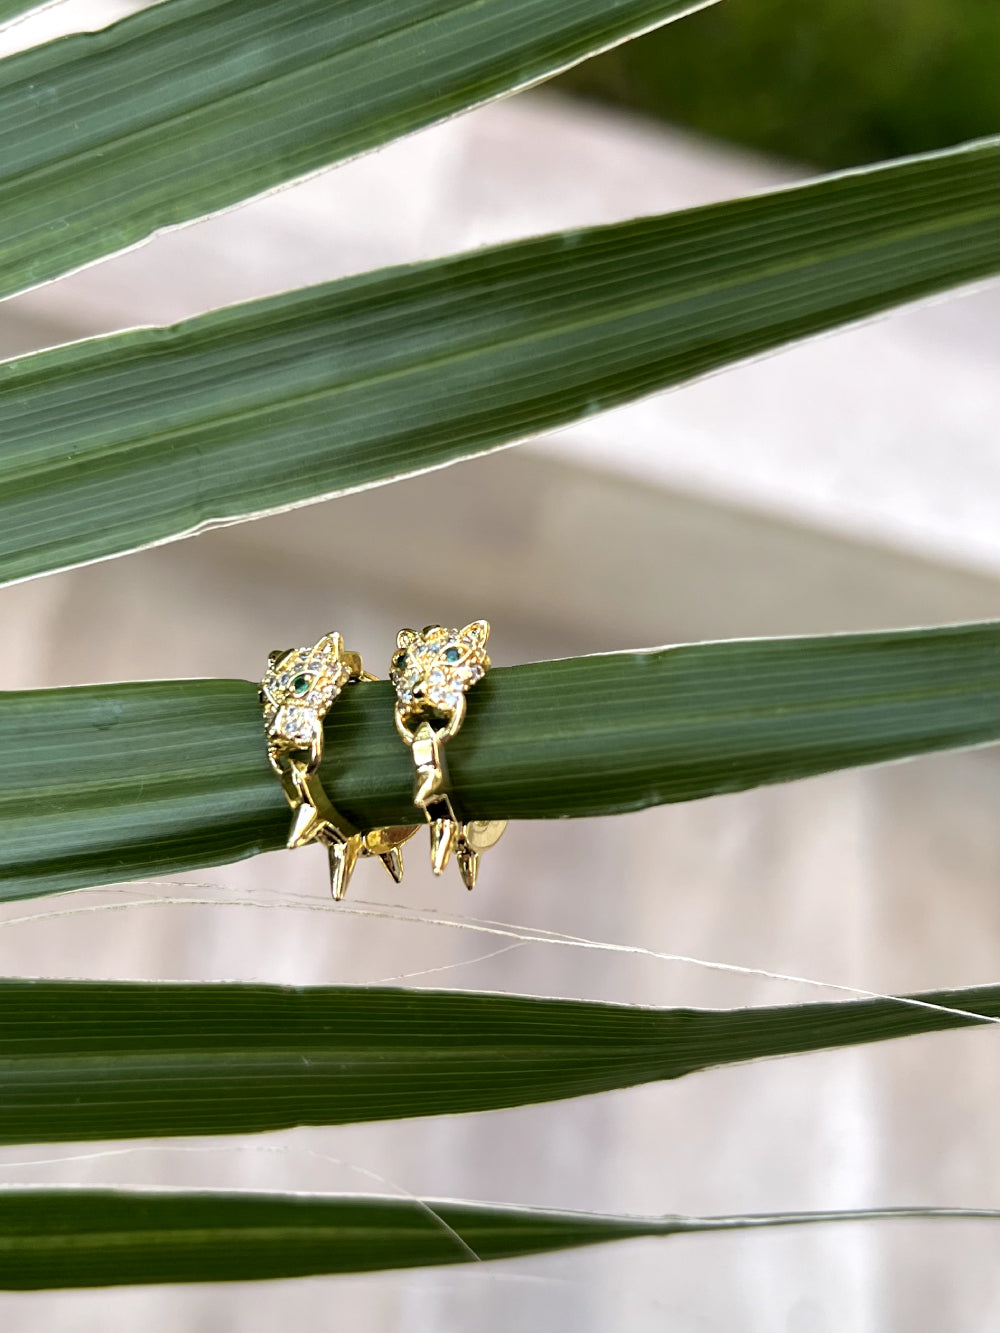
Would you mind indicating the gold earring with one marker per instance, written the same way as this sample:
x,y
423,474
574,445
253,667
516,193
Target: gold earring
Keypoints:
x,y
431,672
298,689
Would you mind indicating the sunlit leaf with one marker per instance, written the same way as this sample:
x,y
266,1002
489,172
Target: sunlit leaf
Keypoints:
x,y
191,105
116,782
111,1060
110,444
98,1238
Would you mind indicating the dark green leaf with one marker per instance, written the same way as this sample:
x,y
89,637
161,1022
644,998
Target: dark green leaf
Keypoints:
x,y
191,105
111,1060
834,82
121,441
116,782
97,1238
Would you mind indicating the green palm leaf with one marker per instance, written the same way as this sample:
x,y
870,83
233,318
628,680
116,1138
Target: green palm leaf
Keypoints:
x,y
97,1238
111,1060
12,8
115,782
216,100
117,442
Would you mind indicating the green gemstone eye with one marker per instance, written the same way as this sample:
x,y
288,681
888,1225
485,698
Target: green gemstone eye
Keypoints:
x,y
451,654
300,684
399,661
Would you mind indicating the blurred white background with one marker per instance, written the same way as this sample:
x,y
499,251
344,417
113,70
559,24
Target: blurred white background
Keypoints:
x,y
841,485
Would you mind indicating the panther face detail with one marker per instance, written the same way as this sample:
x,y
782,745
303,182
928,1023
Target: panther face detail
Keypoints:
x,y
298,689
433,669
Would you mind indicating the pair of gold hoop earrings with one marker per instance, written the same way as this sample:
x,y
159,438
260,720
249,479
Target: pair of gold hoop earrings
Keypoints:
x,y
431,672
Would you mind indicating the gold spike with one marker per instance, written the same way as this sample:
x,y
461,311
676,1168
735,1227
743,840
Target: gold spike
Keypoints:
x,y
468,865
444,834
343,859
307,824
393,862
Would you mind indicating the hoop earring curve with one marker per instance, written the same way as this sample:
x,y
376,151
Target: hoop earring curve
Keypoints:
x,y
298,690
431,673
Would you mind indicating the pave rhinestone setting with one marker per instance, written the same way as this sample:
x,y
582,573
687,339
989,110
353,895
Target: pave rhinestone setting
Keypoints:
x,y
435,668
297,692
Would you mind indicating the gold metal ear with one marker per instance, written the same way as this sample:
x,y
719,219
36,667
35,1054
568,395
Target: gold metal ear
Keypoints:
x,y
276,654
477,633
332,644
405,637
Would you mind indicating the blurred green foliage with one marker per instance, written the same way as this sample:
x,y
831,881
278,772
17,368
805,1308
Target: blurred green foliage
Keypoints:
x,y
833,82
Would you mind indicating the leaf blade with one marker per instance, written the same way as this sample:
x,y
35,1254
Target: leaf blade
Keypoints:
x,y
215,102
10,9
82,1061
88,1237
115,782
153,434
